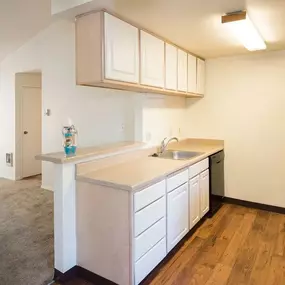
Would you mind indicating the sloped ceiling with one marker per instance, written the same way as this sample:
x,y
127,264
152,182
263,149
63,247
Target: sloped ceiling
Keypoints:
x,y
20,20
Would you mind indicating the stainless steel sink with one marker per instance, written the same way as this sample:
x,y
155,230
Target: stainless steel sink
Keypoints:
x,y
177,154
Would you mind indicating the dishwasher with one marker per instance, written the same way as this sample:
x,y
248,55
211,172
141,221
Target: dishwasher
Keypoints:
x,y
217,184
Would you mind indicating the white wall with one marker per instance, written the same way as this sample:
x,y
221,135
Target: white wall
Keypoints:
x,y
101,115
163,116
245,106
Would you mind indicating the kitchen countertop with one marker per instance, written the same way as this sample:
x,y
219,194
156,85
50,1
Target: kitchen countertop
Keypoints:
x,y
89,152
136,174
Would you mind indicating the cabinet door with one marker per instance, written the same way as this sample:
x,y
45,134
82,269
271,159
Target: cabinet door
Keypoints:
x,y
204,193
201,74
152,60
177,215
182,70
192,74
121,50
170,67
194,203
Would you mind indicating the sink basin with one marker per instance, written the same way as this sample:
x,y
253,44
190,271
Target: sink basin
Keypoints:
x,y
177,154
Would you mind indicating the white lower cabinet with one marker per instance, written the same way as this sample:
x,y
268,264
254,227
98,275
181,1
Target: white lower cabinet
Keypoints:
x,y
177,215
204,193
149,261
165,212
194,201
149,238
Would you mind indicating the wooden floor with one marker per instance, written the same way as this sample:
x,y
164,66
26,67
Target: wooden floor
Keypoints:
x,y
239,246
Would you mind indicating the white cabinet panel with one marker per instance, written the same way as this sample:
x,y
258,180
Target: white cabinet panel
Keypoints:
x,y
194,203
182,70
170,67
177,215
149,215
176,180
204,193
121,50
201,76
198,167
148,262
152,60
192,74
149,238
148,195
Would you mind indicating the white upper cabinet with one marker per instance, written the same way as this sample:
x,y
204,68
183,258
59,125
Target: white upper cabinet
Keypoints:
x,y
182,70
121,50
115,54
194,201
192,74
177,215
152,60
170,67
204,193
201,76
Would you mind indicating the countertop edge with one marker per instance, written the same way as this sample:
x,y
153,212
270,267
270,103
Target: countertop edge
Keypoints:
x,y
116,149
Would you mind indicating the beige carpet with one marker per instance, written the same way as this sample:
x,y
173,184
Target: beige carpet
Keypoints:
x,y
26,233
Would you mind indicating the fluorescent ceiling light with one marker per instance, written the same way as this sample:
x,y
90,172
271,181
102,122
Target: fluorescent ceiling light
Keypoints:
x,y
242,27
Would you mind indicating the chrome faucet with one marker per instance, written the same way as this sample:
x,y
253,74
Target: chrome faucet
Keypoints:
x,y
164,145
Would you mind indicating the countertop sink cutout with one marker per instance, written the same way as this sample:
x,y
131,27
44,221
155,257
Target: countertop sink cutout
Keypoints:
x,y
177,154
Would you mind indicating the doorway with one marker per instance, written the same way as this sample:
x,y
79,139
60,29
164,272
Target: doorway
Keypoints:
x,y
28,90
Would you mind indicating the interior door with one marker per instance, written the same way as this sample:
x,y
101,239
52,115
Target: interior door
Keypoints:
x,y
31,130
194,197
177,215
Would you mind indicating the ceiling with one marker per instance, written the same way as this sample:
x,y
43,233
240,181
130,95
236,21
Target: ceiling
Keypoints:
x,y
19,21
196,24
193,24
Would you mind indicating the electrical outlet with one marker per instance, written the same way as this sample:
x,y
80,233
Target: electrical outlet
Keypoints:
x,y
9,159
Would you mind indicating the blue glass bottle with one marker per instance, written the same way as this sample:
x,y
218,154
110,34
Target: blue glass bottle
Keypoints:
x,y
69,140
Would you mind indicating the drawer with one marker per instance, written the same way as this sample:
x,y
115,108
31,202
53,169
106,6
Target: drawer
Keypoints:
x,y
198,167
145,241
149,215
177,180
148,195
149,261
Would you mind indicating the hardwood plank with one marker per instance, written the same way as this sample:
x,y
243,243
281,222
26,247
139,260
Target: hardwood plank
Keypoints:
x,y
246,257
200,267
276,274
279,248
236,243
220,275
267,245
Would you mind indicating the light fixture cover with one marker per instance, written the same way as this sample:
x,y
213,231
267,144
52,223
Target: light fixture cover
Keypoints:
x,y
243,28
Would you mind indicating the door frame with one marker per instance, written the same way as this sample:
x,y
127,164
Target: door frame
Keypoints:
x,y
22,80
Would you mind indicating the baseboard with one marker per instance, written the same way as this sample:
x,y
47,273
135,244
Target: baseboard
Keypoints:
x,y
254,205
93,278
46,187
71,274
79,272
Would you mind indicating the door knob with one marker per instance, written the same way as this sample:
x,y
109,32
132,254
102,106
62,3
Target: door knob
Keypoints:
x,y
25,132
